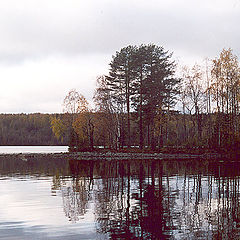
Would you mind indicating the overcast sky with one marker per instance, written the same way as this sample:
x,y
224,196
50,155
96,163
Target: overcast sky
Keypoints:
x,y
48,47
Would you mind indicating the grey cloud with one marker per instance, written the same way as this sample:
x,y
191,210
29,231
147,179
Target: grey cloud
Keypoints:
x,y
106,28
68,43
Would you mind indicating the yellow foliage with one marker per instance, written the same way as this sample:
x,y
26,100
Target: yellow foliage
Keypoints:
x,y
58,127
80,126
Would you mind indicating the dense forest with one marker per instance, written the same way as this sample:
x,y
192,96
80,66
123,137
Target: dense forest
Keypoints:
x,y
28,129
148,101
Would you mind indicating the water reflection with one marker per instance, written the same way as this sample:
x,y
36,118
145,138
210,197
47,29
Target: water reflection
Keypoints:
x,y
139,199
161,200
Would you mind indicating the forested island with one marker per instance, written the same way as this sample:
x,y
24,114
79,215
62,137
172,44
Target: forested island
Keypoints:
x,y
148,102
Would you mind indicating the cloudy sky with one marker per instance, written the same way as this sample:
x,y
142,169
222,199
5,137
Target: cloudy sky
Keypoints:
x,y
48,47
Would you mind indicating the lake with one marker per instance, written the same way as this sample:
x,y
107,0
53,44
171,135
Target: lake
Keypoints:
x,y
130,199
33,149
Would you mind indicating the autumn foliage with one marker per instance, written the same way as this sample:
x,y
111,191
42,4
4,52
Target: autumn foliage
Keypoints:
x,y
145,102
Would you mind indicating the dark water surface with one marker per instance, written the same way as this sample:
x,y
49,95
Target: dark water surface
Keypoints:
x,y
143,199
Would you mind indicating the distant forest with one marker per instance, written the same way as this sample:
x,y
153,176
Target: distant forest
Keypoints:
x,y
28,129
35,129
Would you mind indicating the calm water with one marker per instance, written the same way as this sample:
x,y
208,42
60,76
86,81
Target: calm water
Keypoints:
x,y
69,199
33,149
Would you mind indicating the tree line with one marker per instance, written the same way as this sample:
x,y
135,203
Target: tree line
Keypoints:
x,y
148,101
28,129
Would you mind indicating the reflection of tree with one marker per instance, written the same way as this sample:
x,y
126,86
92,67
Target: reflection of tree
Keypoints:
x,y
210,206
113,202
34,165
154,199
75,190
228,219
75,199
138,210
150,207
156,205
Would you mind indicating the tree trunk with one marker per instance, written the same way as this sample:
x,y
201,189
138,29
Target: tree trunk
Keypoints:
x,y
141,114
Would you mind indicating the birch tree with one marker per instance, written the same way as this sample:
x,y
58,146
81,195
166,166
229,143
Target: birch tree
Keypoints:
x,y
225,90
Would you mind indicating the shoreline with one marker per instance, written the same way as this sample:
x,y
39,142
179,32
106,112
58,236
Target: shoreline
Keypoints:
x,y
109,156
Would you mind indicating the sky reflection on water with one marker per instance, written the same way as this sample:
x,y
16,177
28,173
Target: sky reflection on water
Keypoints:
x,y
32,149
68,199
28,210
